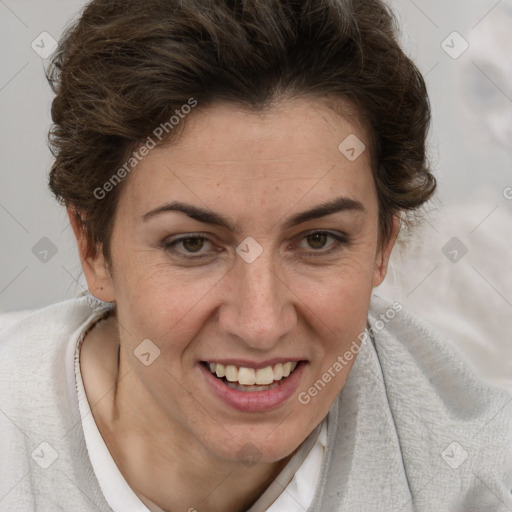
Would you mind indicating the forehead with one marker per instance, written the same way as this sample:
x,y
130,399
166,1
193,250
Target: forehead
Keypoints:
x,y
300,147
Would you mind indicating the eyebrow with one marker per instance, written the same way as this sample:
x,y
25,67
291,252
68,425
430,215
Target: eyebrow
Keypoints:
x,y
340,204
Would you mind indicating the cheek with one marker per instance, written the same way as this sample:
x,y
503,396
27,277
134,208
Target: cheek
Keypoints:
x,y
342,317
341,295
160,303
337,315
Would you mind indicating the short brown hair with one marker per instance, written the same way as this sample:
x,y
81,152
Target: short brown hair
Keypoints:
x,y
125,66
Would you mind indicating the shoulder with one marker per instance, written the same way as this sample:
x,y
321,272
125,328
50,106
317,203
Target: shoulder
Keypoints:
x,y
417,360
40,424
37,352
446,414
34,336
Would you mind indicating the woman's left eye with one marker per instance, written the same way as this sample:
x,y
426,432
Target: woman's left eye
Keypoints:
x,y
317,240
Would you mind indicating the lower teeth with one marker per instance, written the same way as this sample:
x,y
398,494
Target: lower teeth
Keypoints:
x,y
241,387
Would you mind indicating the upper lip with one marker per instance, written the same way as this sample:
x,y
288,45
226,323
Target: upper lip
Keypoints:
x,y
253,364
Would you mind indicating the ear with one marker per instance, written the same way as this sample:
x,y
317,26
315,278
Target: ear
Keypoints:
x,y
384,253
94,265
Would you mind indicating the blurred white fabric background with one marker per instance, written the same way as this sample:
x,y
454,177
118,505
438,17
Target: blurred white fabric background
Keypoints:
x,y
456,269
455,273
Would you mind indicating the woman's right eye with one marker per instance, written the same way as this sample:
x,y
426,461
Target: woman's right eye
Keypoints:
x,y
191,246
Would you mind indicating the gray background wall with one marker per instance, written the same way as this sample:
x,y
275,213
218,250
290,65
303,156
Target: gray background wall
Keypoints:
x,y
469,94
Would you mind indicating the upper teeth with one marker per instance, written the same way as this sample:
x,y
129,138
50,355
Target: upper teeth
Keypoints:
x,y
250,376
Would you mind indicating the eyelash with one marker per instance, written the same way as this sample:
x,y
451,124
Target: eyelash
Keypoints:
x,y
339,241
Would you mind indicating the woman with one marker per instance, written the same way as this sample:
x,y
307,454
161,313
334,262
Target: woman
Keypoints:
x,y
236,174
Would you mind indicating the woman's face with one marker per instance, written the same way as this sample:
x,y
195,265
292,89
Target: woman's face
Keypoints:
x,y
250,246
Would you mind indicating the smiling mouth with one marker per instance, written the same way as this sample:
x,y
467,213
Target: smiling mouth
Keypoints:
x,y
250,379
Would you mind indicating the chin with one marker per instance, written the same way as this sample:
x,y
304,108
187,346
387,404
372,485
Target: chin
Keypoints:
x,y
268,444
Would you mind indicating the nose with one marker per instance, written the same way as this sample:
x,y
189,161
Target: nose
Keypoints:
x,y
258,309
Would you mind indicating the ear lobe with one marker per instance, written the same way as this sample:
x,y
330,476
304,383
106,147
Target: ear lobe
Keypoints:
x,y
384,253
94,265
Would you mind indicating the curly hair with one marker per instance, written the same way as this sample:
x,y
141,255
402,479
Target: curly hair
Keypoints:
x,y
125,66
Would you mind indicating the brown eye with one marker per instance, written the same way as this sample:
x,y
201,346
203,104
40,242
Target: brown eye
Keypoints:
x,y
191,247
193,244
323,243
317,240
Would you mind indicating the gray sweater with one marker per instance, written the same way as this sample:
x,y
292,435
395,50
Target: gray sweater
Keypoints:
x,y
414,428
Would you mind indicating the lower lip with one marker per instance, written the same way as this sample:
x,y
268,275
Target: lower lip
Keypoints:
x,y
255,401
